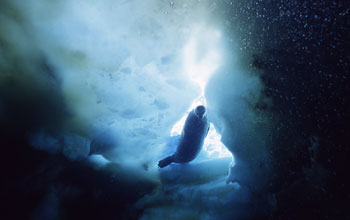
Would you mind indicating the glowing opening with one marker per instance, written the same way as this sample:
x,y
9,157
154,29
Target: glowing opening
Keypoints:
x,y
201,55
201,60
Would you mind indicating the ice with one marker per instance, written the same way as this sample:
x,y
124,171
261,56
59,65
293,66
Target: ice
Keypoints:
x,y
75,147
43,141
135,79
130,75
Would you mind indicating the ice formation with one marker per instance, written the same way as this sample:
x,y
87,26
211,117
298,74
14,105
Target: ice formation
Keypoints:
x,y
103,89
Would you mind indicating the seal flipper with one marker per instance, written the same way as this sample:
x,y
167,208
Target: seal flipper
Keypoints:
x,y
166,161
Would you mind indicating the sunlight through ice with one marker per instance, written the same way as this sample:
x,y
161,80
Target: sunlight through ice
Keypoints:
x,y
201,59
201,55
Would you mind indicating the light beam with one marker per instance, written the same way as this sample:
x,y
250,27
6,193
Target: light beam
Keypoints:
x,y
201,60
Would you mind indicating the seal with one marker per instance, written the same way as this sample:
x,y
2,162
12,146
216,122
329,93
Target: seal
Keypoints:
x,y
192,138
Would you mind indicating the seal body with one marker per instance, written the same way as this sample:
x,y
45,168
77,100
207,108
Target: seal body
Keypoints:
x,y
192,138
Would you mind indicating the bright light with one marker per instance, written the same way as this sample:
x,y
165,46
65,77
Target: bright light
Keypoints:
x,y
201,55
213,145
201,60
